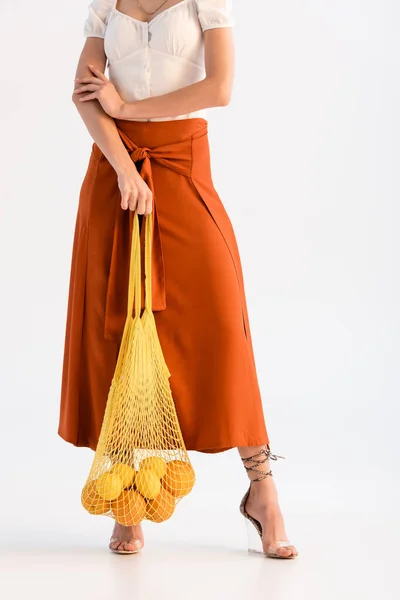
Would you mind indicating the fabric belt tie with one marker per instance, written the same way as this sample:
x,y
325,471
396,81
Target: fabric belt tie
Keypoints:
x,y
177,157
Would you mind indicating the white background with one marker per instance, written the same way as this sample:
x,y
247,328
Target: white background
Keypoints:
x,y
305,159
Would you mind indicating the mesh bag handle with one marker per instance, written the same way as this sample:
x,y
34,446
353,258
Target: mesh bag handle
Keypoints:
x,y
147,262
134,289
134,271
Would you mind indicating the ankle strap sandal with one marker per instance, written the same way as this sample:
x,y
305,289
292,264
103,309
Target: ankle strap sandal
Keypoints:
x,y
266,454
254,527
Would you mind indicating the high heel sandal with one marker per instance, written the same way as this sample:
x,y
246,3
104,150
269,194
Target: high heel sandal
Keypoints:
x,y
132,542
117,551
254,527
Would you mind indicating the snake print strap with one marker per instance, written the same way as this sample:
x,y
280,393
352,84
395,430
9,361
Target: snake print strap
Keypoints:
x,y
256,462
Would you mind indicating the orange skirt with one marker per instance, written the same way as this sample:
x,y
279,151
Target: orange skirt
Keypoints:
x,y
198,293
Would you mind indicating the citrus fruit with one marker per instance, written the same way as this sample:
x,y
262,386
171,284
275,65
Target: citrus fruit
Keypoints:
x,y
129,508
148,483
157,464
125,472
109,486
92,501
161,507
179,478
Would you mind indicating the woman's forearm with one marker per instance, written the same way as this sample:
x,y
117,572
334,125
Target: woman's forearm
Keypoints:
x,y
100,125
204,94
103,130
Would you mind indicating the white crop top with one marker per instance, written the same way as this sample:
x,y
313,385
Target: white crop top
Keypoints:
x,y
166,54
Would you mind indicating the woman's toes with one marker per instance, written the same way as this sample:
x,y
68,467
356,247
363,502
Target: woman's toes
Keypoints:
x,y
132,545
125,547
123,539
284,552
115,546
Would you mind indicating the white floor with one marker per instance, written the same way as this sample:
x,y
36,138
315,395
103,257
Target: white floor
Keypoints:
x,y
342,516
342,556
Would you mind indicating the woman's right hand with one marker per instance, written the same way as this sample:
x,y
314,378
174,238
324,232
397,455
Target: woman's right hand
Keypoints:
x,y
135,193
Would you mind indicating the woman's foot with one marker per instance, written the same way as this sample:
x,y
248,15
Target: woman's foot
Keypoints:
x,y
262,504
127,539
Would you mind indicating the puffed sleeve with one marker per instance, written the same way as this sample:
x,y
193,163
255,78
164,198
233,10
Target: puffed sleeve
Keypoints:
x,y
96,21
215,13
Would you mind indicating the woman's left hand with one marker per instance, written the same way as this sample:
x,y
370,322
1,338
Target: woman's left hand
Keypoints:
x,y
101,89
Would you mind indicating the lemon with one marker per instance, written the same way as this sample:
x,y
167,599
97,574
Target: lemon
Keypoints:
x,y
148,483
125,472
157,464
109,486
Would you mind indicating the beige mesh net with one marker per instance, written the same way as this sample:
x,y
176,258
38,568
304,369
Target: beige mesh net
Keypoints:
x,y
141,468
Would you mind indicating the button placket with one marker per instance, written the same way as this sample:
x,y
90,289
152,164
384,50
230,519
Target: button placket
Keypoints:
x,y
148,69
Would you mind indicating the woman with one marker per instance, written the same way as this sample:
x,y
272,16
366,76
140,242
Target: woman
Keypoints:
x,y
168,61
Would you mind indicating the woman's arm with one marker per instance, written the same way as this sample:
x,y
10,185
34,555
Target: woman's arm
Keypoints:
x,y
214,90
134,191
